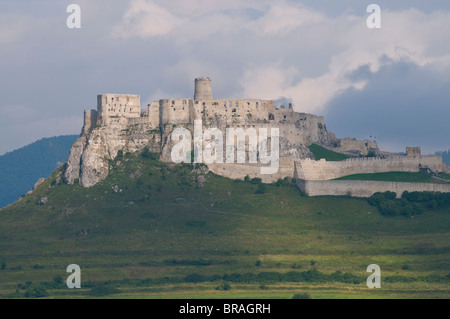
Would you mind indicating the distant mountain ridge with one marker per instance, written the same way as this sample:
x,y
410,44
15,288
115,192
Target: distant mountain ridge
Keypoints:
x,y
20,169
445,156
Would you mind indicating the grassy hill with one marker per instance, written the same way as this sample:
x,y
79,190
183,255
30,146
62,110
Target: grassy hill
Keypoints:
x,y
408,177
159,230
321,152
20,169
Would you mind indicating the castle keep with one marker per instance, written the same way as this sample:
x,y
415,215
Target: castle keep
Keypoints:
x,y
119,123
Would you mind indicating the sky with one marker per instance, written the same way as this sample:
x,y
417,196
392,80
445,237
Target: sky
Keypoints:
x,y
390,84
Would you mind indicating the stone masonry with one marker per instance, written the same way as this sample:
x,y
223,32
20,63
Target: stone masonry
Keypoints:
x,y
119,124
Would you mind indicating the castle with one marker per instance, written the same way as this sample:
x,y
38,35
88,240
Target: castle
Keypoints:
x,y
119,123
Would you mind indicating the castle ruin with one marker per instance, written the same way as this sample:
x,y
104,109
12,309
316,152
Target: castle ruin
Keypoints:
x,y
119,123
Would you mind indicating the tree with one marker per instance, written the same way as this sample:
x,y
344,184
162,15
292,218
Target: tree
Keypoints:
x,y
261,189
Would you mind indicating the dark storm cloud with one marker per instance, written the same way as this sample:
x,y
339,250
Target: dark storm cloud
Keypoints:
x,y
402,104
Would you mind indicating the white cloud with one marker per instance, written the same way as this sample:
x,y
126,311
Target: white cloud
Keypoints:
x,y
256,48
146,19
405,35
12,28
283,18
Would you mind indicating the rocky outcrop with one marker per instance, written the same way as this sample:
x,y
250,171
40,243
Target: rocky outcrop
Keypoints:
x,y
89,156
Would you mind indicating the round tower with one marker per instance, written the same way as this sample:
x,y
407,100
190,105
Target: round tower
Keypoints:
x,y
203,89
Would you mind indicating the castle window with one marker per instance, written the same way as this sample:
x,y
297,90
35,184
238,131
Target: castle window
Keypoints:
x,y
271,117
285,116
234,110
204,103
112,100
117,99
130,109
196,102
225,104
173,102
248,103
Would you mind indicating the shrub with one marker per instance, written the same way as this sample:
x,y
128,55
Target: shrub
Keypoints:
x,y
255,180
36,292
195,278
149,155
261,189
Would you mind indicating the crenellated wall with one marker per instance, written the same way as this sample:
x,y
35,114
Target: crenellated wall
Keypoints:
x,y
365,188
118,105
308,169
119,124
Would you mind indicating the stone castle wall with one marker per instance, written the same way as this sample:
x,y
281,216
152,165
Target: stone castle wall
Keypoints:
x,y
352,145
365,188
118,105
325,170
119,124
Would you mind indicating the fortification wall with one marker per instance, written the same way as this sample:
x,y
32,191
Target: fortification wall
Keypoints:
x,y
236,110
366,188
118,105
153,114
90,120
351,145
323,170
174,111
239,171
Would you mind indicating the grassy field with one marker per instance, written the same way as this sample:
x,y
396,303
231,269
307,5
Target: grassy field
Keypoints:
x,y
321,152
395,177
161,234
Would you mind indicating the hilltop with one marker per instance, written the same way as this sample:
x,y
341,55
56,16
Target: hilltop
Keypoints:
x,y
158,230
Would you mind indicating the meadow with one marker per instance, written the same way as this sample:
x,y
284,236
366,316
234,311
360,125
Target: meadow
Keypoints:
x,y
157,230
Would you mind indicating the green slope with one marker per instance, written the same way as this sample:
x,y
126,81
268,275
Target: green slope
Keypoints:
x,y
20,169
407,177
161,234
321,152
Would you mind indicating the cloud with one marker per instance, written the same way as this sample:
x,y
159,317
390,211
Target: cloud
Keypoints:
x,y
283,18
405,35
146,19
13,28
312,54
403,104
